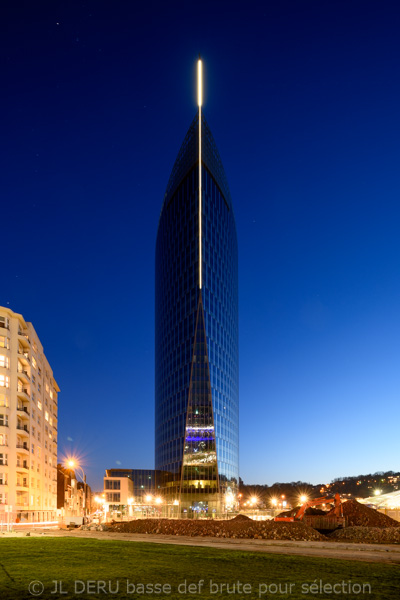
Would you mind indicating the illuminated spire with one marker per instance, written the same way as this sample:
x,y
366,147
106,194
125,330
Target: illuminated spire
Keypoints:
x,y
200,102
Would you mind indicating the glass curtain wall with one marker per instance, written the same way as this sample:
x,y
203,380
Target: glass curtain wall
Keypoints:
x,y
196,338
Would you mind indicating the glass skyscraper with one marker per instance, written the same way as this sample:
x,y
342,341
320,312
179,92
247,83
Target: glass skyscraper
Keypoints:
x,y
196,332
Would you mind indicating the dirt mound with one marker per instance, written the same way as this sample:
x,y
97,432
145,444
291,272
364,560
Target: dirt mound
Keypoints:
x,y
360,515
268,530
315,511
368,535
240,518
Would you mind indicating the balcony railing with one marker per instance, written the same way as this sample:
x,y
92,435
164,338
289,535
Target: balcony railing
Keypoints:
x,y
23,373
23,391
23,409
23,428
23,334
23,447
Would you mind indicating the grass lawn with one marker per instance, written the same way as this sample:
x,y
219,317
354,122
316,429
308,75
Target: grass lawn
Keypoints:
x,y
100,569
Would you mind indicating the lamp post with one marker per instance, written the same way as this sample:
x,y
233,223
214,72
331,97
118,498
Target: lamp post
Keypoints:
x,y
72,464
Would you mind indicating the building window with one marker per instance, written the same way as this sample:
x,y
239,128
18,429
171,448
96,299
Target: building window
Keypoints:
x,y
3,478
39,405
3,400
4,342
3,420
34,364
4,362
116,497
4,323
4,381
3,498
3,439
51,394
3,459
46,415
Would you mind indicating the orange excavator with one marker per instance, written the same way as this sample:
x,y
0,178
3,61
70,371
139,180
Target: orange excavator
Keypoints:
x,y
331,520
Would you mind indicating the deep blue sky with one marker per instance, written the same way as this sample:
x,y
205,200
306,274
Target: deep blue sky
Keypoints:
x,y
303,100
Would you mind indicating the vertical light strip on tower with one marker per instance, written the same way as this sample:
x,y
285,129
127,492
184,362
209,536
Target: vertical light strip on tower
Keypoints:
x,y
199,102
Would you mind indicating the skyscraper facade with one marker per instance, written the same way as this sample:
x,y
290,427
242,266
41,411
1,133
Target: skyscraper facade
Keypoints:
x,y
196,361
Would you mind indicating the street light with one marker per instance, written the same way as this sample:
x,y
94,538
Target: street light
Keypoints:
x,y
72,464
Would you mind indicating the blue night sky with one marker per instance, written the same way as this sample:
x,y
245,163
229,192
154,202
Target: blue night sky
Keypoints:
x,y
303,101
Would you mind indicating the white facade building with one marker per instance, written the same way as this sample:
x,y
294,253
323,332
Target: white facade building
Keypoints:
x,y
28,423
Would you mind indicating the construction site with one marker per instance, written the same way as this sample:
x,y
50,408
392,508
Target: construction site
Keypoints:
x,y
338,520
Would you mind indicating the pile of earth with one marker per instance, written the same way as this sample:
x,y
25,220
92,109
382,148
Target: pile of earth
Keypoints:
x,y
360,515
235,528
368,535
241,518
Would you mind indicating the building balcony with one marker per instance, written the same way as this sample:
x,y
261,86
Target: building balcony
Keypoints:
x,y
24,376
23,393
23,429
23,356
23,411
22,448
22,484
22,469
24,339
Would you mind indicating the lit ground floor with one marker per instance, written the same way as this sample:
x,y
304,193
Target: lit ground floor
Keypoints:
x,y
24,516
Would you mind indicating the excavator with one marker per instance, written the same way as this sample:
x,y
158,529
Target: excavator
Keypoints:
x,y
332,520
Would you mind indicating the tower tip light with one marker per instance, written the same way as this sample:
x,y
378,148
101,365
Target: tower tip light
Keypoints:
x,y
199,82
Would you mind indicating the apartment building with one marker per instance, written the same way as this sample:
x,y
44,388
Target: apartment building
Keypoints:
x,y
28,423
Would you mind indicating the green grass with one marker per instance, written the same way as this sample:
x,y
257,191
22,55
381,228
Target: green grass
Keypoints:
x,y
23,560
